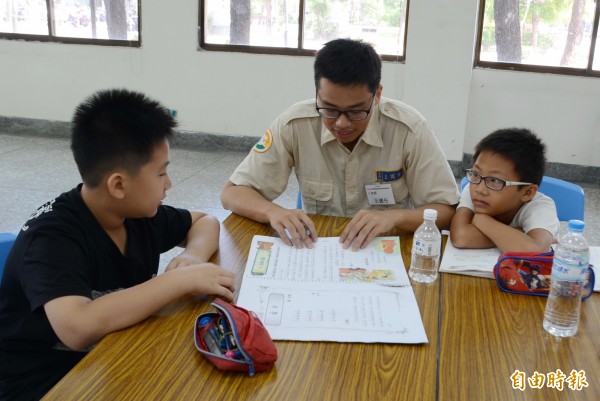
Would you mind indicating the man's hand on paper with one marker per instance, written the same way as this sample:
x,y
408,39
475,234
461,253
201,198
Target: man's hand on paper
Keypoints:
x,y
364,227
294,227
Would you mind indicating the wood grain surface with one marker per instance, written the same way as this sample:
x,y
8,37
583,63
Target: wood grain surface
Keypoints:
x,y
478,337
486,335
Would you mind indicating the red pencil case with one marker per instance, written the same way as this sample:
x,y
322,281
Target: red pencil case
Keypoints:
x,y
234,338
529,273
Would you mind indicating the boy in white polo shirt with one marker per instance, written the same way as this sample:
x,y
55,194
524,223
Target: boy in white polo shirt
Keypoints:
x,y
501,206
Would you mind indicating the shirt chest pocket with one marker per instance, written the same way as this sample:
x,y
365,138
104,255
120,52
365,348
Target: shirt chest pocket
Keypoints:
x,y
317,196
400,191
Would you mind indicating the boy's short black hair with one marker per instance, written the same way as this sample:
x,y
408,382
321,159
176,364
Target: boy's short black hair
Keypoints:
x,y
520,146
117,128
348,62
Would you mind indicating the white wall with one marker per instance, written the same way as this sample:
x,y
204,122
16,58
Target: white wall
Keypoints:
x,y
240,94
563,110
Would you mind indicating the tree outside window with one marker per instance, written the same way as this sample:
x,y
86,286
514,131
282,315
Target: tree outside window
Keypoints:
x,y
539,35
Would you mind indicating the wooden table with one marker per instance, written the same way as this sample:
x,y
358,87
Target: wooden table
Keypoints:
x,y
157,359
486,335
478,337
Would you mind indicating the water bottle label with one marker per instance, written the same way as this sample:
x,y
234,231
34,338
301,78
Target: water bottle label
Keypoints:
x,y
426,248
569,272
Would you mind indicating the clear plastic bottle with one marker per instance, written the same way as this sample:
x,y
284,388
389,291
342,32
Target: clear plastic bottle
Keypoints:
x,y
427,243
569,271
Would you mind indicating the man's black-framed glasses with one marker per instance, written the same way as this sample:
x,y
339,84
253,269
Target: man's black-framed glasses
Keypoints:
x,y
352,115
494,183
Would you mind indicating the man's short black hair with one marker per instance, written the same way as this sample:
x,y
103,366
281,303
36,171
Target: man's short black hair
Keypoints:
x,y
348,62
117,128
520,146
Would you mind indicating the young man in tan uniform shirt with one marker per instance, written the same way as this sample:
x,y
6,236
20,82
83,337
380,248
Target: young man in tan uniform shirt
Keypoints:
x,y
355,154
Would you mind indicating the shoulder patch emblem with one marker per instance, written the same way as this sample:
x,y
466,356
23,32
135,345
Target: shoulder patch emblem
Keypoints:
x,y
265,142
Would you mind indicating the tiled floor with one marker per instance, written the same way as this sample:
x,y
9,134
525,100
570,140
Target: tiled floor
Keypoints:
x,y
36,169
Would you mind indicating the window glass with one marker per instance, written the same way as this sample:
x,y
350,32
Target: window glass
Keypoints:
x,y
271,23
96,20
538,32
277,23
378,22
110,19
24,16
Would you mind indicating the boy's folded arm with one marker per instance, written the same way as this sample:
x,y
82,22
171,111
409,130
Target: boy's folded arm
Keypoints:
x,y
511,239
463,234
80,322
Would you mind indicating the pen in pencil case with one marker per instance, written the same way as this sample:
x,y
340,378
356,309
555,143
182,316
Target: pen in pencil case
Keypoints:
x,y
211,343
227,341
211,336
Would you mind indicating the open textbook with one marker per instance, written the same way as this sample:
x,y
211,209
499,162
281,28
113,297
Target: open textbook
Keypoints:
x,y
472,262
331,294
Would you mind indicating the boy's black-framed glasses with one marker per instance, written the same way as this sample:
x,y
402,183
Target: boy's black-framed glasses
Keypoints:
x,y
352,115
494,183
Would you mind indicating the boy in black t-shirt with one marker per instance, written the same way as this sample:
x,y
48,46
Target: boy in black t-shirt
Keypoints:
x,y
84,264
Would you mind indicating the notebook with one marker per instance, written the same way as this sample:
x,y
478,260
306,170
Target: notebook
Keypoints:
x,y
471,262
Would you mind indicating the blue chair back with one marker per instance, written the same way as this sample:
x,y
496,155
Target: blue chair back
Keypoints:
x,y
299,200
6,242
568,197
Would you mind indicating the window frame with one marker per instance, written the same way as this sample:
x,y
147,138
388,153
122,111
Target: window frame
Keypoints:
x,y
496,65
284,51
52,38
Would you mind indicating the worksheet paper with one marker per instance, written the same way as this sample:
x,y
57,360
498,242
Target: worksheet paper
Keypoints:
x,y
332,294
472,262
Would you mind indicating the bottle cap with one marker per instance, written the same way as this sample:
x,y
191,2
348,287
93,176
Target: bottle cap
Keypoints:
x,y
576,225
430,214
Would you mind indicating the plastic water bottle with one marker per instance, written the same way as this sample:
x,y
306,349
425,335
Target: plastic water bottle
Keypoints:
x,y
569,272
427,243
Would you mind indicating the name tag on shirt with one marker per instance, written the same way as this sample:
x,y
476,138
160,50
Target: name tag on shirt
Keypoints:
x,y
380,194
389,176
